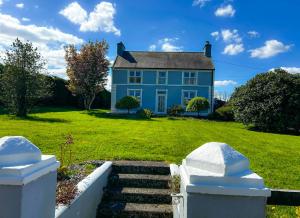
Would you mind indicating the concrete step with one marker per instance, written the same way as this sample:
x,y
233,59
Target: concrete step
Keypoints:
x,y
119,209
139,195
140,181
141,167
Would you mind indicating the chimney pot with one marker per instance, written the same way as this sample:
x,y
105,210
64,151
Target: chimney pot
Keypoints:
x,y
207,49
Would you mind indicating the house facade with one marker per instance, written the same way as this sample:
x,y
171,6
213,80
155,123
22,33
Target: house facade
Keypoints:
x,y
162,79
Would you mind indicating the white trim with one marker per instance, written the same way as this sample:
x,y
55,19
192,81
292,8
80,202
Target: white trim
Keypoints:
x,y
167,77
128,75
156,101
182,96
113,97
182,78
141,97
136,84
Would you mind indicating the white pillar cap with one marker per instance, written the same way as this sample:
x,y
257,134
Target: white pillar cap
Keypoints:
x,y
216,168
22,162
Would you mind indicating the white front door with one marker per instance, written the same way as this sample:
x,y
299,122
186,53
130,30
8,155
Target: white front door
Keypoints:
x,y
161,101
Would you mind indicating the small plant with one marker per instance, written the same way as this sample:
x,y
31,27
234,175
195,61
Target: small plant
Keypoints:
x,y
175,110
175,184
145,113
128,103
197,104
65,156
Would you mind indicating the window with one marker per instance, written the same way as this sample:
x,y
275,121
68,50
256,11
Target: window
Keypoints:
x,y
135,76
187,96
189,78
135,93
162,77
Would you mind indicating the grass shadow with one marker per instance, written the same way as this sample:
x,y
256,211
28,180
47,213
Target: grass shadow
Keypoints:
x,y
39,110
108,115
288,132
40,119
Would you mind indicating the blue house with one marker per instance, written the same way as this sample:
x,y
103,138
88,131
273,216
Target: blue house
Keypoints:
x,y
162,79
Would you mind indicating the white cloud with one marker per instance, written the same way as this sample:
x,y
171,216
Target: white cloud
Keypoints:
x,y
233,49
20,5
225,11
200,3
291,70
152,47
75,13
100,19
216,35
49,41
222,83
25,19
253,34
270,49
231,36
1,2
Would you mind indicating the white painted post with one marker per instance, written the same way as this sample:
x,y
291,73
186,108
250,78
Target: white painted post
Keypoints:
x,y
27,180
216,182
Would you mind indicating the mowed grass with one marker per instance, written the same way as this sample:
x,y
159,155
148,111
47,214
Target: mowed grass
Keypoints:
x,y
99,135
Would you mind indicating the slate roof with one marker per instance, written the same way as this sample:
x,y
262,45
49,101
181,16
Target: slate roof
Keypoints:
x,y
164,60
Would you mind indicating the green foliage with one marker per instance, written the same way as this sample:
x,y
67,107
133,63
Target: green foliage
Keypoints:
x,y
87,70
175,184
145,113
128,103
22,84
224,113
270,101
197,104
175,110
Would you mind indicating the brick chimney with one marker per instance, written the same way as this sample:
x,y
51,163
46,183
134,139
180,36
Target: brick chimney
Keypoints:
x,y
207,49
120,48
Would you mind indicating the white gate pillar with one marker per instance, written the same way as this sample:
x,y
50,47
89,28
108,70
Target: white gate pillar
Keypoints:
x,y
216,182
27,180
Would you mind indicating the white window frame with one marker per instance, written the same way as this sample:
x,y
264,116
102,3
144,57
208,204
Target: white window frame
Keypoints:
x,y
141,97
156,100
189,72
157,77
128,76
182,95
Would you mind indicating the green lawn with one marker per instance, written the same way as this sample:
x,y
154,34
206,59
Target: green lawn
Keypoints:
x,y
99,135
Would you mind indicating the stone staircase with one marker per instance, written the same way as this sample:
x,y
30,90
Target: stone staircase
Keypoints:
x,y
137,189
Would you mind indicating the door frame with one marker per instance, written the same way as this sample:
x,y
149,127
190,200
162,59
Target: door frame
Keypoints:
x,y
156,100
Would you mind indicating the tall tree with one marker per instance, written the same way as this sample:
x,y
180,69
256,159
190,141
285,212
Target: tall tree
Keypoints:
x,y
87,70
22,84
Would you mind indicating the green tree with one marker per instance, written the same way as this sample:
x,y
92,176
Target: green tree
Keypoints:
x,y
128,103
22,84
197,104
87,70
270,101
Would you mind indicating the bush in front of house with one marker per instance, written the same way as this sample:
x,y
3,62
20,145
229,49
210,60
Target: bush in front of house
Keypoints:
x,y
270,101
197,104
175,110
224,113
128,103
145,113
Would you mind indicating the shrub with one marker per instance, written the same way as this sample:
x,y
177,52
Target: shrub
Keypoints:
x,y
224,113
175,110
270,101
128,103
145,113
197,104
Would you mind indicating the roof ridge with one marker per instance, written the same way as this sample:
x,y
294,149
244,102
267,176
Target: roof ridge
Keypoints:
x,y
168,51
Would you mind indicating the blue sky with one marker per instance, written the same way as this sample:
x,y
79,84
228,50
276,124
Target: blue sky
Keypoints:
x,y
248,37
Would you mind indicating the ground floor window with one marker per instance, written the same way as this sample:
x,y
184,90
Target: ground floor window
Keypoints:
x,y
187,95
135,93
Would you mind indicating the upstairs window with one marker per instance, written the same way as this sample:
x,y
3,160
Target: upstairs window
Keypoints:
x,y
162,77
188,95
189,78
135,77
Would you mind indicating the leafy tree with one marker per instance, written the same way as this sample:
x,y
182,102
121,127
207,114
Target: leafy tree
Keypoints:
x,y
87,70
22,84
270,101
197,104
128,103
